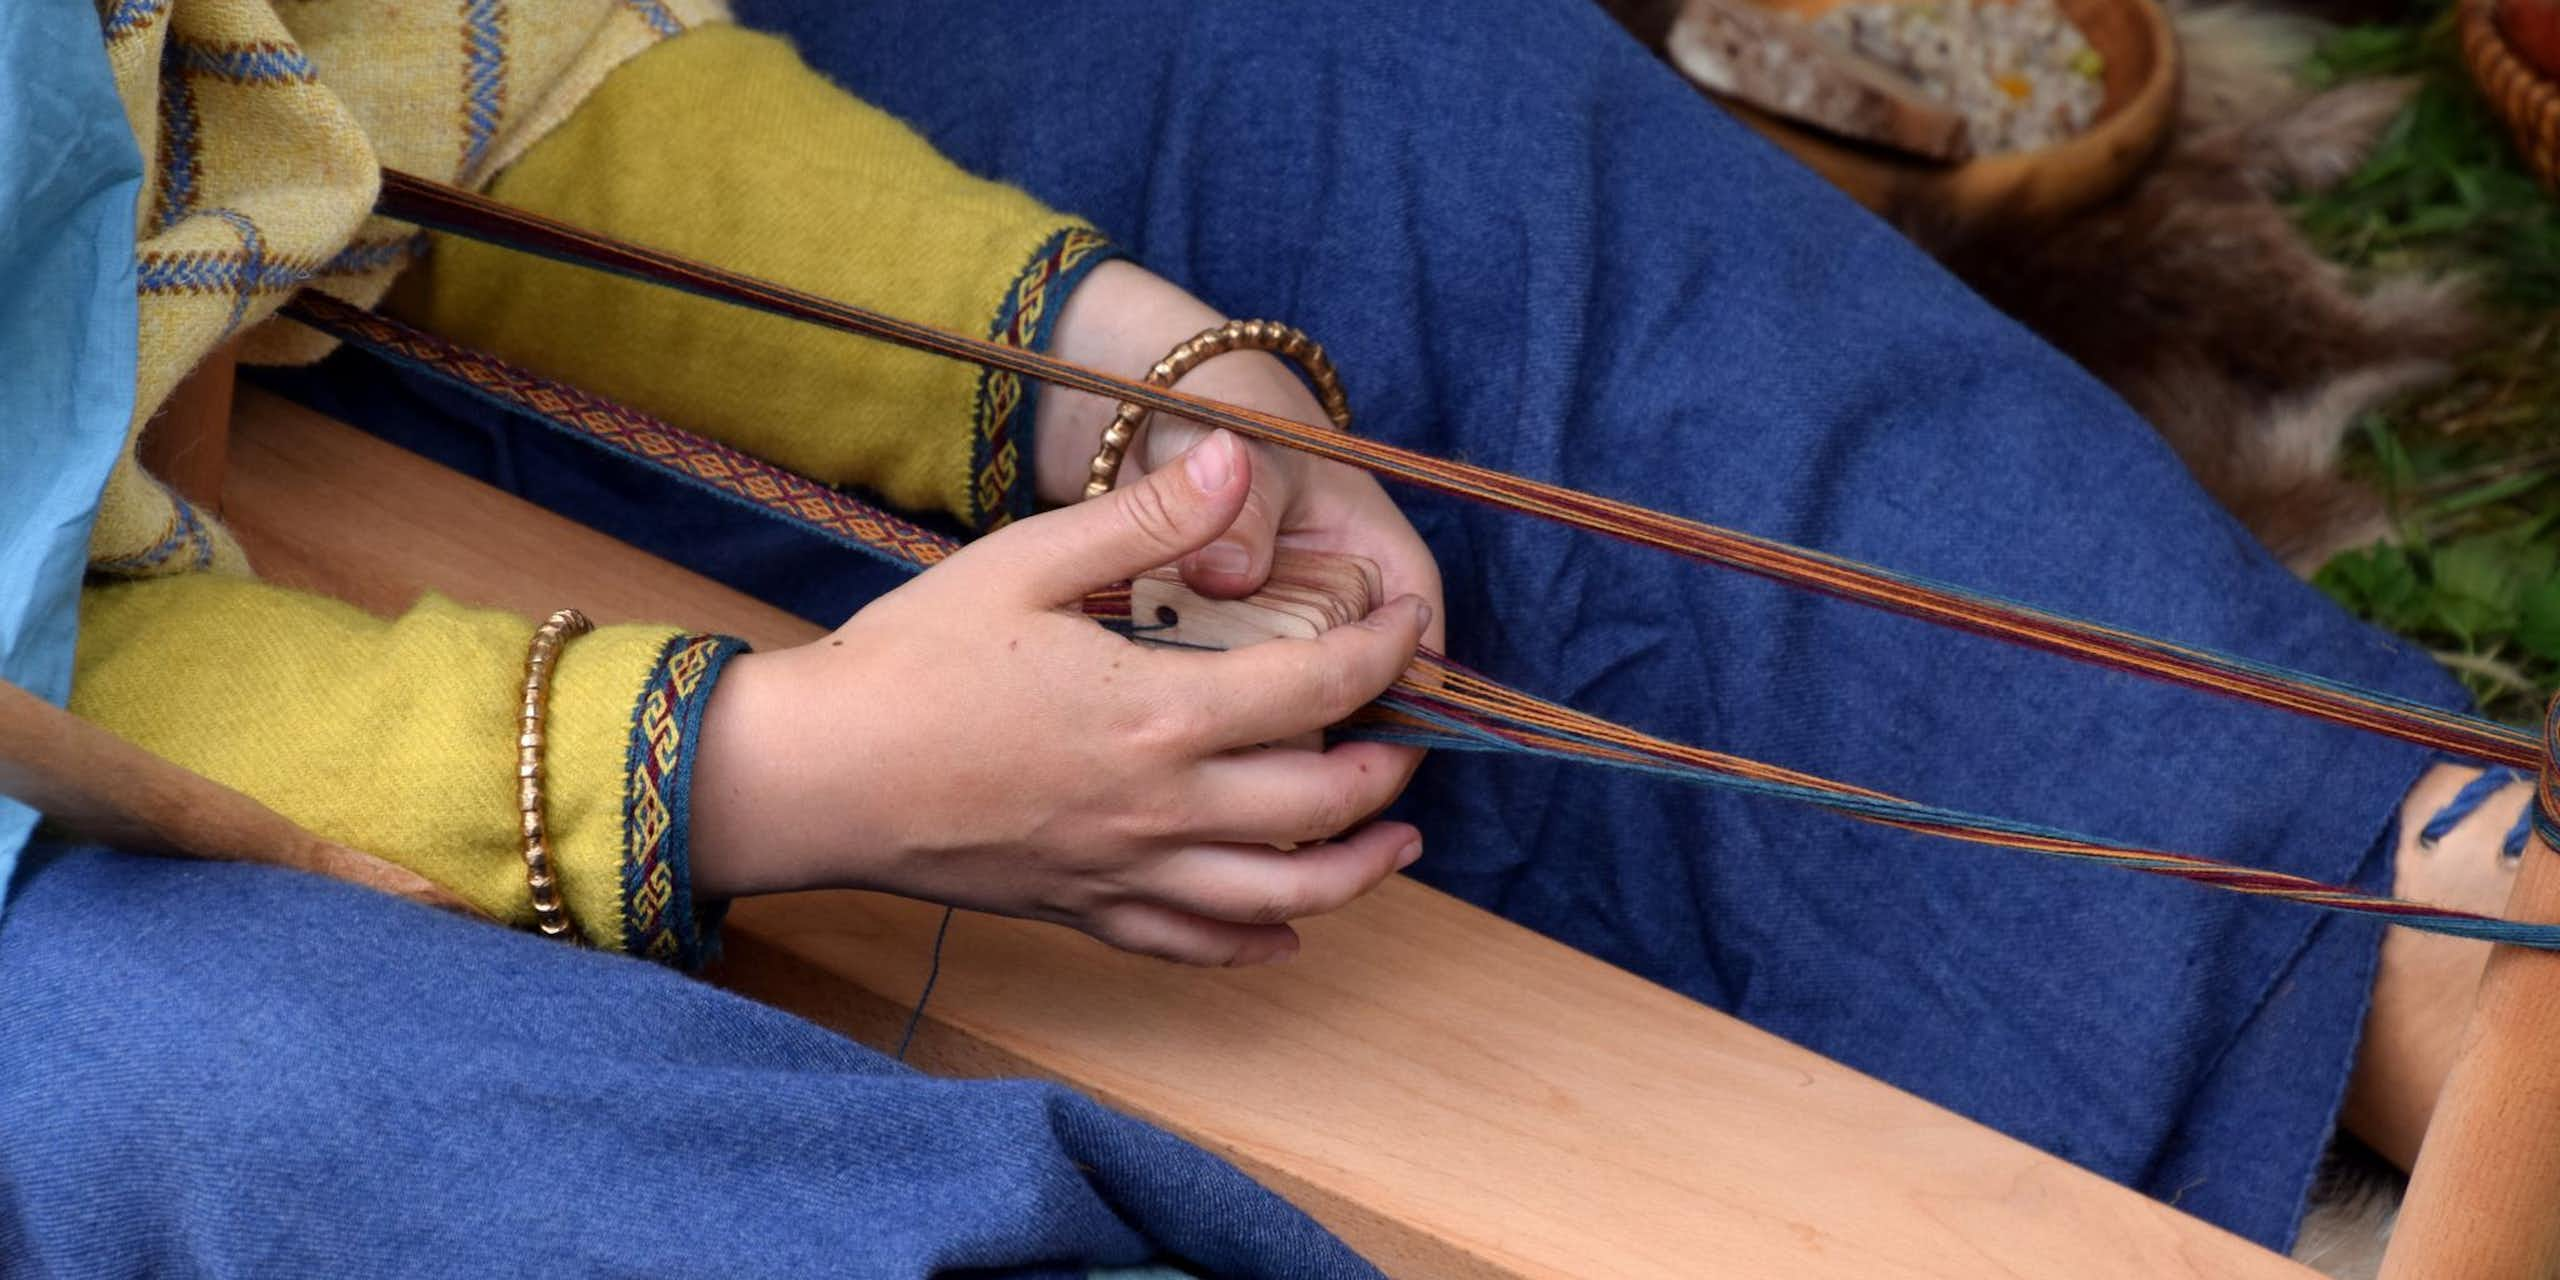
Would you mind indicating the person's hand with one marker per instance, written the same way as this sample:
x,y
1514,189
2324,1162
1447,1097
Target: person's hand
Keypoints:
x,y
1123,318
1297,500
969,739
1120,320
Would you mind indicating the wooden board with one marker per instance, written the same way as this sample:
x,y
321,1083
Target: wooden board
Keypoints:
x,y
1456,1096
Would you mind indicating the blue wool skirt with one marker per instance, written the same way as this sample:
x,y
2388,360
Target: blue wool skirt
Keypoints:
x,y
225,1070
1529,245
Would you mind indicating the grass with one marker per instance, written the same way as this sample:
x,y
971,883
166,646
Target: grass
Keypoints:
x,y
2471,467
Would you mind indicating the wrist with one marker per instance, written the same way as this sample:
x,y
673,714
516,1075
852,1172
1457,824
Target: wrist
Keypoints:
x,y
1123,320
1120,320
740,806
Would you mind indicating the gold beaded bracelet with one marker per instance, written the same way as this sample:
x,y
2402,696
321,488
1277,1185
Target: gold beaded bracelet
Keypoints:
x,y
549,910
1259,335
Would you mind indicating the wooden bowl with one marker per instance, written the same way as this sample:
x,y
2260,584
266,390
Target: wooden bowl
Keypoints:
x,y
2141,83
2525,98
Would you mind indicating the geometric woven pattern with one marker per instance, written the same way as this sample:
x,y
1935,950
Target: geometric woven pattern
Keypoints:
x,y
999,489
658,919
632,433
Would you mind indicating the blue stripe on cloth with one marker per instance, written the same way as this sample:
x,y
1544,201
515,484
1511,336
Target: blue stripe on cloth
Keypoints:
x,y
655,14
484,84
253,265
130,16
364,256
186,533
178,155
245,63
243,273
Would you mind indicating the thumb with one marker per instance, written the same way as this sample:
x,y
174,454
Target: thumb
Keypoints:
x,y
1237,564
1169,513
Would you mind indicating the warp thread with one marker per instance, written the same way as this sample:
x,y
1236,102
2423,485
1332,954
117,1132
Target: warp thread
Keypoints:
x,y
1438,704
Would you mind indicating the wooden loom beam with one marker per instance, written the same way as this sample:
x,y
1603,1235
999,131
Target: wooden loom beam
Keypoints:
x,y
1451,1093
188,442
2484,1200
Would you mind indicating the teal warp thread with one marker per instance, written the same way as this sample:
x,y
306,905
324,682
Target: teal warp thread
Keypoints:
x,y
1457,735
1448,732
475,217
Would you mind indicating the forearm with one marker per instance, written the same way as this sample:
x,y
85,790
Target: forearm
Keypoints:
x,y
398,737
721,145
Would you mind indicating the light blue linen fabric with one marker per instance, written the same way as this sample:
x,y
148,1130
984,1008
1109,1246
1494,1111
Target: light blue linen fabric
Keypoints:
x,y
69,174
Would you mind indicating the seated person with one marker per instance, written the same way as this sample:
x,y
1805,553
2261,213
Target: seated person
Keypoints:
x,y
1527,245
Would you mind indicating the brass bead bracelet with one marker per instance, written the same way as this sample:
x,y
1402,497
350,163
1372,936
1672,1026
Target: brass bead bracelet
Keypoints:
x,y
1234,335
550,911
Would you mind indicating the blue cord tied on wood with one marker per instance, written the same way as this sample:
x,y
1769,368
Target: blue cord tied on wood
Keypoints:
x,y
2540,817
2468,801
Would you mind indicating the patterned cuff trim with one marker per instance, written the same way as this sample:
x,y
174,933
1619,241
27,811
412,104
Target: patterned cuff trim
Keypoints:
x,y
660,920
1000,481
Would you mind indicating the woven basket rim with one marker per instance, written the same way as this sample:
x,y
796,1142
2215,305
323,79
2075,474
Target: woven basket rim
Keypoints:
x,y
2521,96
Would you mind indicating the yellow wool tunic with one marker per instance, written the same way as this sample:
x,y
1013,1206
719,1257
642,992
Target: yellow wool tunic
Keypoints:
x,y
265,125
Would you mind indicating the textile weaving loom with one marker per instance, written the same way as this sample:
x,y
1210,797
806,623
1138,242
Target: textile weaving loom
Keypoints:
x,y
2487,1185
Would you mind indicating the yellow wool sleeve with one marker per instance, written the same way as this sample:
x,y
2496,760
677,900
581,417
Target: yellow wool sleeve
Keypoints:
x,y
398,737
721,144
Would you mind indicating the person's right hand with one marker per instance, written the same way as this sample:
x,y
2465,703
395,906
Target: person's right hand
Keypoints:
x,y
969,739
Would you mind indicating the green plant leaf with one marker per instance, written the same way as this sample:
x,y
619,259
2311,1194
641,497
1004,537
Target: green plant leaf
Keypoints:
x,y
2474,592
2538,619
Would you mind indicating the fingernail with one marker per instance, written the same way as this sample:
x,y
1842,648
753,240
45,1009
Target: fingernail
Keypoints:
x,y
1224,558
1212,461
1379,618
1405,857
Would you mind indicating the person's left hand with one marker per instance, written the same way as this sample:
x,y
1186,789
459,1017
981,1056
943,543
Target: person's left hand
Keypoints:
x,y
1122,318
1297,501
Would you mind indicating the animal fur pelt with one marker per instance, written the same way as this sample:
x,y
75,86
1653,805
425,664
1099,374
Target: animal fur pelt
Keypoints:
x,y
2193,295
2355,1201
2196,298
